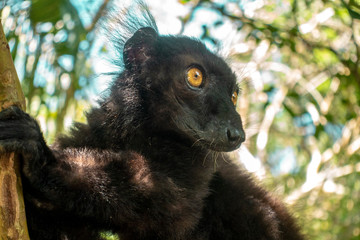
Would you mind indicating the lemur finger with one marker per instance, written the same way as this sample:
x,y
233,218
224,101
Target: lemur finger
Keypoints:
x,y
10,145
18,129
11,113
14,145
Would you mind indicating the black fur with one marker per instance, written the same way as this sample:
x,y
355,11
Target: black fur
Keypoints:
x,y
149,163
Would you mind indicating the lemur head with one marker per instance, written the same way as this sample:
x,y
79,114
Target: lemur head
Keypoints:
x,y
186,90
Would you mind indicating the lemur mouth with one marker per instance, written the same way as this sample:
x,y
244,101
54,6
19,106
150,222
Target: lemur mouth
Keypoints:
x,y
220,146
224,140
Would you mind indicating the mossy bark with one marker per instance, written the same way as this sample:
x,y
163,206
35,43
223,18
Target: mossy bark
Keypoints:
x,y
12,210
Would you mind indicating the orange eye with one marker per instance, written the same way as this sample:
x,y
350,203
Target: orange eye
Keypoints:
x,y
234,98
194,77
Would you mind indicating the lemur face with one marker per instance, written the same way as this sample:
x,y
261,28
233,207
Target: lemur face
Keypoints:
x,y
192,91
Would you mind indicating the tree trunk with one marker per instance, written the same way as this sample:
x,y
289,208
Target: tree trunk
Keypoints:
x,y
12,210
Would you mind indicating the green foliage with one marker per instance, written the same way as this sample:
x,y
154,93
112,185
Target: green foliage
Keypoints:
x,y
109,236
51,60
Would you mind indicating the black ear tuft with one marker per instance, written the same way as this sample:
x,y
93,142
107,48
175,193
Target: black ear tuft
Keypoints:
x,y
137,49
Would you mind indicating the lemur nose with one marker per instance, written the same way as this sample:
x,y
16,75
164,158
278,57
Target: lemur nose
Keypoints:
x,y
235,135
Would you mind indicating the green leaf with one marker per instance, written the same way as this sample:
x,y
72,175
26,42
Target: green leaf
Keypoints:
x,y
184,1
353,8
52,13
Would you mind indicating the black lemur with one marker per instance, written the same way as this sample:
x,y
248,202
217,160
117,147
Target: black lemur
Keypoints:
x,y
149,163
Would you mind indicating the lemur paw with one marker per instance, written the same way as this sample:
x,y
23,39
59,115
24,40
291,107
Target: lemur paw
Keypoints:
x,y
18,131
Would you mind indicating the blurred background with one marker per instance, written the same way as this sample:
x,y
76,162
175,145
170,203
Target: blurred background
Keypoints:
x,y
297,61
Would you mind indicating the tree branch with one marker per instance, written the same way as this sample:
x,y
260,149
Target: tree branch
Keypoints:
x,y
12,210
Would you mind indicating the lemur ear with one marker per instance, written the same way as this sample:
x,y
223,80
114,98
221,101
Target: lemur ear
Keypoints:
x,y
138,48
